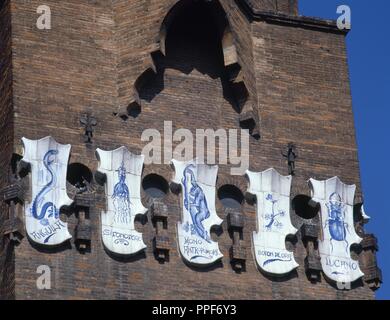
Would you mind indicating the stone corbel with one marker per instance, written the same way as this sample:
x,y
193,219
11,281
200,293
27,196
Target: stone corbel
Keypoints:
x,y
310,233
161,241
249,118
235,220
83,231
134,107
372,273
369,248
13,227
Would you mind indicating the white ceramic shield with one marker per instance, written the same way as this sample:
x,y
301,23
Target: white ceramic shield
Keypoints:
x,y
272,193
199,215
49,163
338,231
123,170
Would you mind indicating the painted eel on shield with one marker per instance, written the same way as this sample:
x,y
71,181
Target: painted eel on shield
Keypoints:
x,y
49,161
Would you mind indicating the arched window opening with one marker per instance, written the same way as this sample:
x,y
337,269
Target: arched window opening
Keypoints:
x,y
230,196
79,176
194,40
155,186
303,207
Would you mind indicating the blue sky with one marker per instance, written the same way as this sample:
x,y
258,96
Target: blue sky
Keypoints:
x,y
369,53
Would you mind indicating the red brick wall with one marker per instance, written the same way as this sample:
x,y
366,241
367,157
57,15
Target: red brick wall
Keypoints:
x,y
89,62
287,6
281,6
6,142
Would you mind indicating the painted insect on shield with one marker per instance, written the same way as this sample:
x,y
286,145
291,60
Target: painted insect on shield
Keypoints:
x,y
335,222
336,201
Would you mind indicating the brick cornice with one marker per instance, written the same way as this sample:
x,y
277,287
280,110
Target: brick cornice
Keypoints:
x,y
290,20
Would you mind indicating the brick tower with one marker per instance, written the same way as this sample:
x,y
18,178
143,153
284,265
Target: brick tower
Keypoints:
x,y
108,70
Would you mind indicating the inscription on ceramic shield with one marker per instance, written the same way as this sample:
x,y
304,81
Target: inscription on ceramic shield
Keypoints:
x,y
272,192
338,231
198,212
123,172
49,162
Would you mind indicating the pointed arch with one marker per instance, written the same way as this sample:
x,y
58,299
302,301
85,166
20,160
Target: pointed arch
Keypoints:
x,y
242,101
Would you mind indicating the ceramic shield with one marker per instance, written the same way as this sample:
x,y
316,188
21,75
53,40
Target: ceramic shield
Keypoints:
x,y
49,162
338,231
272,192
123,170
198,212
